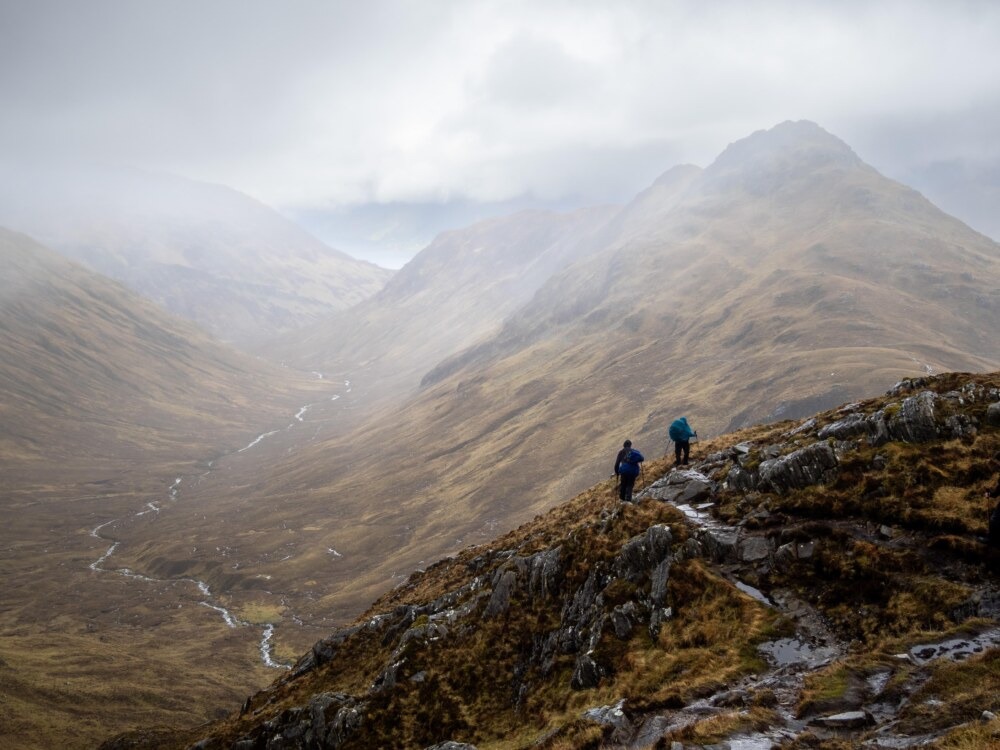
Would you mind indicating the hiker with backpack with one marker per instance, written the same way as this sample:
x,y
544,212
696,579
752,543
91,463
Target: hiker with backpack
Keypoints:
x,y
627,468
681,433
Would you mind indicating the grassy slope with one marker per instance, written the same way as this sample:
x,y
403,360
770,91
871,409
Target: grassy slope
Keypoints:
x,y
881,598
105,400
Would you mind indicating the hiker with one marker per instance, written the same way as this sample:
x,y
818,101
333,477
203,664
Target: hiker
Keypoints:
x,y
627,469
994,533
681,433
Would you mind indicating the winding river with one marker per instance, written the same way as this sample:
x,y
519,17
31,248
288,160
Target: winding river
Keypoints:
x,y
173,492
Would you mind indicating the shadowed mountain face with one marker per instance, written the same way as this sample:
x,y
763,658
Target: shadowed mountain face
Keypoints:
x,y
204,252
786,277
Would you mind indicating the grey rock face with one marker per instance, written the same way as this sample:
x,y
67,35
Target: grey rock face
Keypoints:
x,y
804,467
642,553
993,414
499,601
328,720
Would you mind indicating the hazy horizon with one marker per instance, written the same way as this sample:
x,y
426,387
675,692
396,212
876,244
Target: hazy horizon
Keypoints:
x,y
377,126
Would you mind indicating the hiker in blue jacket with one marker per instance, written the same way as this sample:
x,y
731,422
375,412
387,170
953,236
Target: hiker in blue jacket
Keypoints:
x,y
627,469
681,433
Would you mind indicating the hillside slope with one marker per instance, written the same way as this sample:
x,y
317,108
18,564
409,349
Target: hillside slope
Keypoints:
x,y
454,292
785,277
204,252
106,403
838,593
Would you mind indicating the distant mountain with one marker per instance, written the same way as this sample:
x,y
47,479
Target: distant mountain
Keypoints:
x,y
94,379
453,293
786,277
204,252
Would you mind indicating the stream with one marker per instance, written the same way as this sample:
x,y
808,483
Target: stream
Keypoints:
x,y
173,492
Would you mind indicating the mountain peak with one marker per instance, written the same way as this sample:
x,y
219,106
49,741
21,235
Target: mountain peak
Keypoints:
x,y
787,150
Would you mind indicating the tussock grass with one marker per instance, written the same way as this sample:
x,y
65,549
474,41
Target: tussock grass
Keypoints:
x,y
957,692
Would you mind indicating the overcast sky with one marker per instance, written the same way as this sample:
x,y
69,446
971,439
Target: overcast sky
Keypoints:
x,y
314,106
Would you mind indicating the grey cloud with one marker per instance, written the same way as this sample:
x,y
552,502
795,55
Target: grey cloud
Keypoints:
x,y
308,103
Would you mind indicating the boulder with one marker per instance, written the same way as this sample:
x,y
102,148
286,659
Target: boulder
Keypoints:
x,y
753,549
993,415
586,673
719,544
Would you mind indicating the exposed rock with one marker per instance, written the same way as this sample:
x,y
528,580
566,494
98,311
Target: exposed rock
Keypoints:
x,y
719,544
802,468
586,673
451,745
614,717
644,552
499,601
846,720
993,415
753,549
622,620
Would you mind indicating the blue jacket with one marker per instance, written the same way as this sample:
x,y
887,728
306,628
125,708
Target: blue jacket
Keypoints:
x,y
628,462
680,430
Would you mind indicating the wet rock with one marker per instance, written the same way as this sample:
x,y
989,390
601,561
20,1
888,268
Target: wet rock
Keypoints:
x,y
686,486
845,720
993,415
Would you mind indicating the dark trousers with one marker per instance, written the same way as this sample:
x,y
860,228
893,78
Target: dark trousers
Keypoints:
x,y
625,484
681,446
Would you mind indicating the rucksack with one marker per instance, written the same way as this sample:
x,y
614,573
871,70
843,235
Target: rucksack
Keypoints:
x,y
629,464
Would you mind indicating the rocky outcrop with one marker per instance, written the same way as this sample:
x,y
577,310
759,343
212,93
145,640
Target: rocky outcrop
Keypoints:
x,y
916,419
802,468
